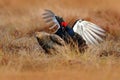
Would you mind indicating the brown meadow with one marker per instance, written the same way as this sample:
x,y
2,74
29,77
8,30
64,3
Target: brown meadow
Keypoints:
x,y
20,54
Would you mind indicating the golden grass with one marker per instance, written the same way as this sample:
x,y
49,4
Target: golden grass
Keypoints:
x,y
21,57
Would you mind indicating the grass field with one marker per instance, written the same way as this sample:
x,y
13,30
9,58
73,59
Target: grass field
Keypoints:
x,y
21,57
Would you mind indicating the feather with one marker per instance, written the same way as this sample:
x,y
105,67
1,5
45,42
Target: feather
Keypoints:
x,y
93,26
48,20
97,32
49,11
94,41
49,17
90,32
96,36
53,26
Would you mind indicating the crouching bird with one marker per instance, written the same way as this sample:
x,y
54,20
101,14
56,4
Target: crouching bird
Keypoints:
x,y
49,42
83,32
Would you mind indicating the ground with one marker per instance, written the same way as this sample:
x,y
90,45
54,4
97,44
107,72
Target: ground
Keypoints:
x,y
21,57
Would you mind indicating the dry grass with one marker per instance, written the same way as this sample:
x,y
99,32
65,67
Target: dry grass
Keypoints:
x,y
21,58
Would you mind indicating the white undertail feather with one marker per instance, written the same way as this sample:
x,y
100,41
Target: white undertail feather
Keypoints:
x,y
49,18
90,32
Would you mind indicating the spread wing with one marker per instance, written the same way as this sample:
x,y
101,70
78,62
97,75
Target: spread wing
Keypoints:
x,y
50,18
90,32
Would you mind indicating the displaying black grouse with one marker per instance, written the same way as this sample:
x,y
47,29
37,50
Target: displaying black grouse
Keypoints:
x,y
84,32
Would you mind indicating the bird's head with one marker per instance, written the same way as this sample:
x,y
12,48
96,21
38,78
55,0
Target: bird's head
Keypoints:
x,y
41,35
61,21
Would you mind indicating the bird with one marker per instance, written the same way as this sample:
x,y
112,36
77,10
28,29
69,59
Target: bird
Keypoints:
x,y
49,41
82,31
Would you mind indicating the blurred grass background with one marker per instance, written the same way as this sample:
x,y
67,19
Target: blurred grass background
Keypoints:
x,y
21,54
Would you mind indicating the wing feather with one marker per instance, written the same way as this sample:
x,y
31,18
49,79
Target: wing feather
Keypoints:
x,y
90,32
88,38
96,31
93,40
49,18
53,26
95,35
94,26
84,37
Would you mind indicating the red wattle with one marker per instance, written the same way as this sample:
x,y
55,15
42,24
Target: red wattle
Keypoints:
x,y
64,24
